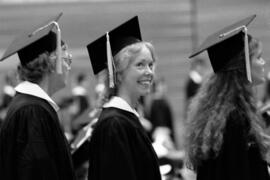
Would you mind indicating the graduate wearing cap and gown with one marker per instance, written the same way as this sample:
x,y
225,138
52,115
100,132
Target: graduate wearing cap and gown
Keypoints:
x,y
32,143
119,147
225,140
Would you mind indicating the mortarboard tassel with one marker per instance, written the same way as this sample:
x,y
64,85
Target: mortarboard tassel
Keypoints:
x,y
109,61
58,45
58,49
248,71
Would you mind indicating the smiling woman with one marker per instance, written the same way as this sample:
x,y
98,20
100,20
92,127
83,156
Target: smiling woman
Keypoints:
x,y
119,145
135,70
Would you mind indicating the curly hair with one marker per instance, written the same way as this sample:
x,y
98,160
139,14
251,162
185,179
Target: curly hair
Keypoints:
x,y
219,95
35,70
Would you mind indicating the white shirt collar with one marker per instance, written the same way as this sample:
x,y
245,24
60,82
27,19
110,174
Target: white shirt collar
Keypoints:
x,y
120,103
33,89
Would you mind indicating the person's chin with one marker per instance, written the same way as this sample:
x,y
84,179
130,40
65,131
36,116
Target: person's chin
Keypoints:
x,y
144,92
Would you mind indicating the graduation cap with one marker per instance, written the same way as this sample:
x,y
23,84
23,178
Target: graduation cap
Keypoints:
x,y
37,40
105,47
226,44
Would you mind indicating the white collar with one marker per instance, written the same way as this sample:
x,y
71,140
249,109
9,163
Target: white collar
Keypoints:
x,y
33,89
120,103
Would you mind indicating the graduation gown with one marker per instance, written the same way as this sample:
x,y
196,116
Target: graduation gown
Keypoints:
x,y
120,149
32,144
161,115
239,157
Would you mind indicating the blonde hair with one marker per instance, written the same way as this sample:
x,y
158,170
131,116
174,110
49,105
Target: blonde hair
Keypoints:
x,y
125,57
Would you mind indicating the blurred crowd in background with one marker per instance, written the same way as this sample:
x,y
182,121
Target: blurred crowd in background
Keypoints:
x,y
79,106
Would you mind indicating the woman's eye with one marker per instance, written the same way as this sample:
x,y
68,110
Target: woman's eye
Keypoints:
x,y
151,65
140,65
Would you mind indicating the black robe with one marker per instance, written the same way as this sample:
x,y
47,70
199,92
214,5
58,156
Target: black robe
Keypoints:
x,y
32,144
120,149
239,157
161,115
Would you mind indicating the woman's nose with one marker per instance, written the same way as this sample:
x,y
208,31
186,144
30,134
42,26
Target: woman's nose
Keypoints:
x,y
148,70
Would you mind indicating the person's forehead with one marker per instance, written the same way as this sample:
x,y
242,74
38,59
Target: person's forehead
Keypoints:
x,y
144,55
